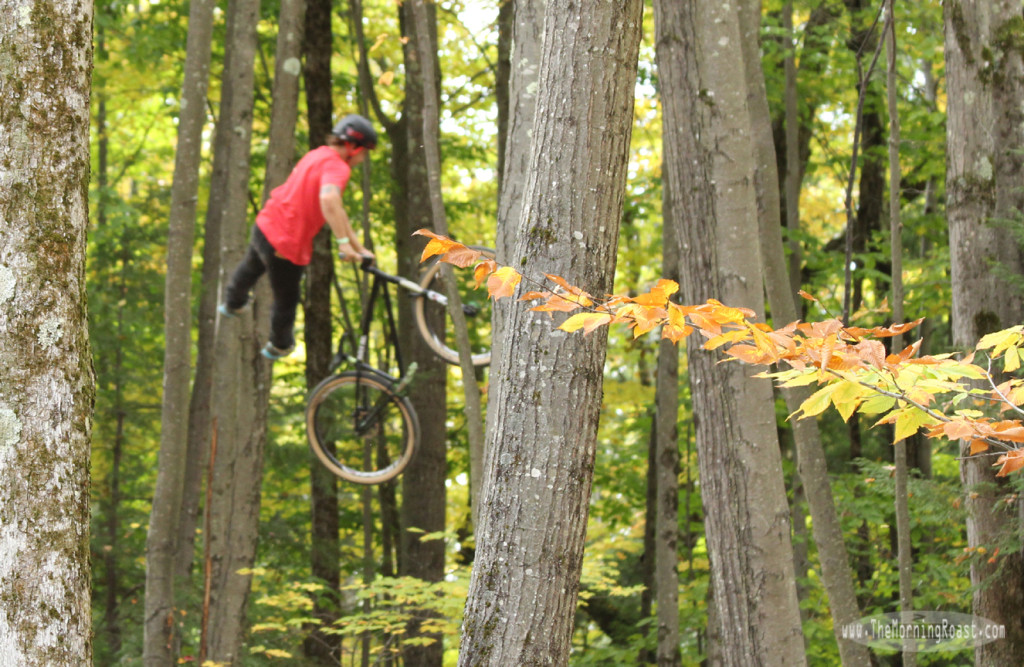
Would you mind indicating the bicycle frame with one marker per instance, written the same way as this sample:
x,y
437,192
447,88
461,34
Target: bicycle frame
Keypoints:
x,y
379,289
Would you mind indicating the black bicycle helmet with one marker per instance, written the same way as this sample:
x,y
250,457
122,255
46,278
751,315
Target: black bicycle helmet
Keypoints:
x,y
357,130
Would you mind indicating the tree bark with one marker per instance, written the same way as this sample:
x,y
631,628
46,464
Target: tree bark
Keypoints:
x,y
319,338
524,64
242,376
836,574
740,466
667,466
46,376
983,173
423,483
547,386
160,641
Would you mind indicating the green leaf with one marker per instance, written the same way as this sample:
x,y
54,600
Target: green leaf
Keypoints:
x,y
877,404
819,401
909,420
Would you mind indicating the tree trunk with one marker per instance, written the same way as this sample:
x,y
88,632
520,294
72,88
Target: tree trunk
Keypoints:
x,y
667,463
836,574
46,376
241,377
111,628
319,338
516,144
423,484
200,410
983,174
161,642
547,386
285,94
740,466
648,564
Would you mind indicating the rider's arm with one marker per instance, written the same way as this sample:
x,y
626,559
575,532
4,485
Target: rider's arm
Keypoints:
x,y
334,212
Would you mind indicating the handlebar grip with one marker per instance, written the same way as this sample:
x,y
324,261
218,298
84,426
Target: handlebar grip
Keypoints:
x,y
366,263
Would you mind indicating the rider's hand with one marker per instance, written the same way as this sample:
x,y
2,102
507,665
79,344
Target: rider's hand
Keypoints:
x,y
348,253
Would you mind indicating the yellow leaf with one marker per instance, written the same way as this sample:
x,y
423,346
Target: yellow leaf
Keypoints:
x,y
376,44
1000,340
1011,360
734,336
908,421
386,78
586,321
802,380
846,397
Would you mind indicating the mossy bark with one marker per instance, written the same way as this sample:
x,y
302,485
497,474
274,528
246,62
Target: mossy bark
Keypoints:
x,y
46,378
985,127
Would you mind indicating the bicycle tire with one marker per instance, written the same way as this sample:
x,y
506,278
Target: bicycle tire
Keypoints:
x,y
429,315
392,431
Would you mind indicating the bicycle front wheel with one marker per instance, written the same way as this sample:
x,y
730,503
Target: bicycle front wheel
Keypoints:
x,y
434,323
360,429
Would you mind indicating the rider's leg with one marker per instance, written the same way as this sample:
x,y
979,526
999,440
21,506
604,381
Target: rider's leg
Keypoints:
x,y
248,271
285,283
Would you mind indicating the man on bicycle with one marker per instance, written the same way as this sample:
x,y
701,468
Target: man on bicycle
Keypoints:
x,y
282,238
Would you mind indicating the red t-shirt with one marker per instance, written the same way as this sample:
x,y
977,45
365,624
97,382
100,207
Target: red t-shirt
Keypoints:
x,y
292,216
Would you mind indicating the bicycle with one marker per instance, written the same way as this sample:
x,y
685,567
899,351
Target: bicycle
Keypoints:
x,y
359,423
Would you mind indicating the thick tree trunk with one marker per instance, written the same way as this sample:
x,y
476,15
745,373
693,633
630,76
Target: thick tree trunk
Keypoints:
x,y
983,175
241,377
547,386
161,643
46,377
740,466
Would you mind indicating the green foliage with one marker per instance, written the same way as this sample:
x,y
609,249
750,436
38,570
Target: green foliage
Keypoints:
x,y
137,78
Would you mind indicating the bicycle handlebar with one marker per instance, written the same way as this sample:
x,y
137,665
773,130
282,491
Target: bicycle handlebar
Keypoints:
x,y
368,266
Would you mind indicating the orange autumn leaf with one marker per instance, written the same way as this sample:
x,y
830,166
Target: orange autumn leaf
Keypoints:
x,y
556,303
851,362
503,282
1011,462
978,446
483,270
438,245
659,294
461,256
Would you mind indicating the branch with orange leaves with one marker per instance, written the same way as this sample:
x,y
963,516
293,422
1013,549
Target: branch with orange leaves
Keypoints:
x,y
936,394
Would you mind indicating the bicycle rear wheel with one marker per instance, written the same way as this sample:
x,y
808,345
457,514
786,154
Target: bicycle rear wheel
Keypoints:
x,y
360,429
436,326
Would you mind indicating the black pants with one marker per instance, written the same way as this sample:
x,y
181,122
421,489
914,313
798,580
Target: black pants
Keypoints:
x,y
285,283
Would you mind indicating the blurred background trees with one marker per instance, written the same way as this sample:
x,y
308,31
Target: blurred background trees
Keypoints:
x,y
329,552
